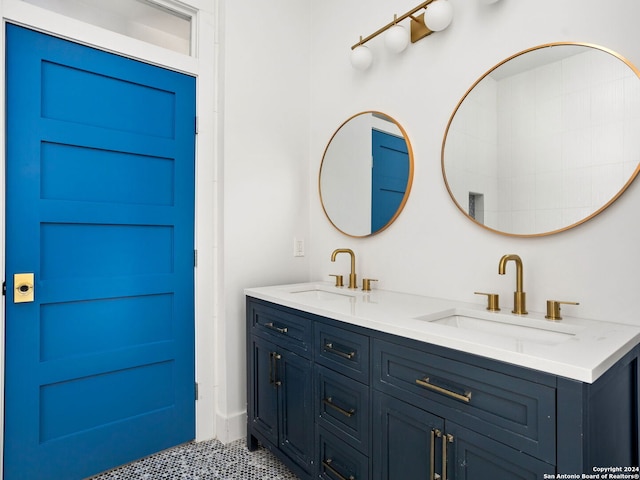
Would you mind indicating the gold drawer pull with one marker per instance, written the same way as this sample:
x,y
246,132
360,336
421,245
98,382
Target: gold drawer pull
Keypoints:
x,y
448,438
277,329
273,369
425,382
347,413
432,454
327,465
329,347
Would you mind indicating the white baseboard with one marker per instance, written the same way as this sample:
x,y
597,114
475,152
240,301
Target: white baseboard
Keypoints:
x,y
232,427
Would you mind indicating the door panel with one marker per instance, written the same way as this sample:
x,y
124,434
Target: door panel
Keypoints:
x,y
100,207
263,413
476,457
403,442
296,419
389,177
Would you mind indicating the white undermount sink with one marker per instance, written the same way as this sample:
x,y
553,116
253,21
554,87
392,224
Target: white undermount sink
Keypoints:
x,y
513,327
321,292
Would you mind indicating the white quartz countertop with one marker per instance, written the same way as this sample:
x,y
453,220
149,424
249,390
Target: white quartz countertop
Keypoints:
x,y
576,348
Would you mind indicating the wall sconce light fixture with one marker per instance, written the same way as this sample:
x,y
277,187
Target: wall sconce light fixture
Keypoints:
x,y
435,18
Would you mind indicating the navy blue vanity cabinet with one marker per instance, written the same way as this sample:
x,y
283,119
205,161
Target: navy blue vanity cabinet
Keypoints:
x,y
424,398
342,401
280,386
598,423
337,401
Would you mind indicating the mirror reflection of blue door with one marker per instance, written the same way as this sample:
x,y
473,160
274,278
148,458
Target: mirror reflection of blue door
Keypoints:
x,y
100,209
389,177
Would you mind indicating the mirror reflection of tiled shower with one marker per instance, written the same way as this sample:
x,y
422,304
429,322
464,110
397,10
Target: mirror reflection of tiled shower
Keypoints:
x,y
476,206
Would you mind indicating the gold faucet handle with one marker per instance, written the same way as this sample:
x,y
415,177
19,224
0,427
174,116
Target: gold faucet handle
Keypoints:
x,y
339,280
493,301
553,309
366,284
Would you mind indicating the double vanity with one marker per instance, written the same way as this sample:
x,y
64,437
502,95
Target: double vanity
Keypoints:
x,y
351,384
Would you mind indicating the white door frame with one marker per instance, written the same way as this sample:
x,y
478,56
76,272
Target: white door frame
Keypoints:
x,y
203,64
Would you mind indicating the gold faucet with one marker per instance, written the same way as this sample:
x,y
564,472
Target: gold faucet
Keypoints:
x,y
352,275
519,297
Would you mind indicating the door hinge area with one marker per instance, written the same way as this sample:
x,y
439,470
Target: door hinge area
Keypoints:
x,y
195,390
4,288
195,125
195,258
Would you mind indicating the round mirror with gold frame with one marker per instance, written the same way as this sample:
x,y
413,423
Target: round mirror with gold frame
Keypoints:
x,y
366,174
545,140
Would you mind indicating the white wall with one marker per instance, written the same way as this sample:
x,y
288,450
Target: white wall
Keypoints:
x,y
266,178
432,249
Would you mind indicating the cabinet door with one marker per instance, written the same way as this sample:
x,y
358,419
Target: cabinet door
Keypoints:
x,y
404,440
295,381
263,388
471,456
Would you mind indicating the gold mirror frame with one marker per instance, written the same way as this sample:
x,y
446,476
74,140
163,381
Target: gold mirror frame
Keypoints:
x,y
458,106
327,158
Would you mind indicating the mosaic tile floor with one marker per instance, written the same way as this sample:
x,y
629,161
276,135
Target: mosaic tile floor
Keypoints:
x,y
209,460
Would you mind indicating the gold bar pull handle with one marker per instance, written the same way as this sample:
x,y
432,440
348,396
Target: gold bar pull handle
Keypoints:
x,y
347,413
432,454
425,382
327,464
330,348
277,329
273,369
446,439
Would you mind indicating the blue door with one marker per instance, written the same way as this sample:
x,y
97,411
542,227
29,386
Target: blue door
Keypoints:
x,y
389,177
100,210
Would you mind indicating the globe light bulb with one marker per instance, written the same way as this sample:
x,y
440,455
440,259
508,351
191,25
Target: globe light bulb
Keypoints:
x,y
361,57
438,15
397,38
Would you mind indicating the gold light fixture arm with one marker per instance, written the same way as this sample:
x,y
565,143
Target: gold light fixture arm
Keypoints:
x,y
418,28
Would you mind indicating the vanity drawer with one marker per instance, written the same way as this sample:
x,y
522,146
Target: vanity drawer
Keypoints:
x,y
337,460
342,350
342,407
279,326
509,409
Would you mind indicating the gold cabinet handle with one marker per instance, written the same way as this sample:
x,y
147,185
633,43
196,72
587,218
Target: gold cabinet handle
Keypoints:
x,y
273,368
347,413
330,348
327,464
425,382
446,439
432,454
277,329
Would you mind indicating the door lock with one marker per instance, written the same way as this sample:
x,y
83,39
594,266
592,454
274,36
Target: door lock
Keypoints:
x,y
23,290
